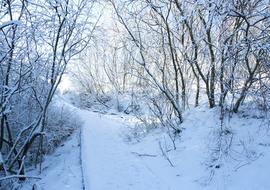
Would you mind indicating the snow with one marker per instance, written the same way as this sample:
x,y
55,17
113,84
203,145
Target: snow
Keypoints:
x,y
111,163
60,170
112,159
108,161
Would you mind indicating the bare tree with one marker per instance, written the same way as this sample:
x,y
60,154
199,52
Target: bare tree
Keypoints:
x,y
37,43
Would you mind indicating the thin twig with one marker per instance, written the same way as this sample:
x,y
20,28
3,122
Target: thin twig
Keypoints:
x,y
143,154
18,176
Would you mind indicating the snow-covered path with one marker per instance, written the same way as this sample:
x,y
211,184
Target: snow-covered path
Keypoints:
x,y
108,162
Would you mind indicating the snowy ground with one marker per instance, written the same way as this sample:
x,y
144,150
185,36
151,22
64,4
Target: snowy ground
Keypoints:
x,y
62,169
112,160
109,162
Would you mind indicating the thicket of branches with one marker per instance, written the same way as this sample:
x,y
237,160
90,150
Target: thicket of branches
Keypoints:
x,y
37,41
178,53
168,54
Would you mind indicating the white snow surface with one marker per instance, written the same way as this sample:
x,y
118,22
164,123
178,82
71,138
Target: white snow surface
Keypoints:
x,y
108,161
60,170
112,160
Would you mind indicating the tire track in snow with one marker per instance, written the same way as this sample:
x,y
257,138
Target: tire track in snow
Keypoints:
x,y
81,164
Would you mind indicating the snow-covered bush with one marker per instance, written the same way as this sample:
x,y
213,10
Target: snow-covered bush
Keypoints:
x,y
60,125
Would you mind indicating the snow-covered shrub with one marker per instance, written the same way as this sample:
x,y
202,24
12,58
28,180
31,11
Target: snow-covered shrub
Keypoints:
x,y
125,103
60,125
61,122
